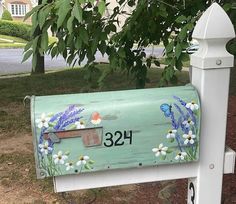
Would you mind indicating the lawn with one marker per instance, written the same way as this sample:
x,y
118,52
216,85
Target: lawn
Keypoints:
x,y
17,170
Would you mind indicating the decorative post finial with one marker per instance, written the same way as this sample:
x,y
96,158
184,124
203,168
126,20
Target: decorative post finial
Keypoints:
x,y
213,30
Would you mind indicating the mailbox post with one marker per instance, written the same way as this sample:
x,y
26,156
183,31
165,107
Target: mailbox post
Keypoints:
x,y
210,75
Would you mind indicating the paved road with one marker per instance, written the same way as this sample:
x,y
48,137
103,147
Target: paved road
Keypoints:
x,y
10,61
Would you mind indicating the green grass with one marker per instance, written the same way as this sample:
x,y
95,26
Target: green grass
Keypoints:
x,y
11,45
14,39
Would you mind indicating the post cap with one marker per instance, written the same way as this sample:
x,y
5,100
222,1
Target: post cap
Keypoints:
x,y
213,24
213,30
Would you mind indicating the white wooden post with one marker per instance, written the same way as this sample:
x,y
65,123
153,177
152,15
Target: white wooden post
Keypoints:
x,y
210,75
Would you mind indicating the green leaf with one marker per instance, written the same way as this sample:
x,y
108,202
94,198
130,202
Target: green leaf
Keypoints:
x,y
43,14
64,8
84,35
157,63
86,166
102,47
28,46
70,24
44,41
101,7
54,51
227,6
149,62
180,19
77,11
91,162
183,33
32,11
170,47
178,50
121,52
27,55
35,44
78,43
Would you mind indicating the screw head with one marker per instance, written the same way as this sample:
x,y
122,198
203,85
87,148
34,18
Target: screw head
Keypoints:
x,y
218,62
211,166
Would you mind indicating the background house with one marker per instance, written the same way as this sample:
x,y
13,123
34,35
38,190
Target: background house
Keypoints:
x,y
17,8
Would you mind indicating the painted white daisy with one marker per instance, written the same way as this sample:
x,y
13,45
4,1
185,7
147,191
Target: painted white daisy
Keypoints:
x,y
59,158
44,148
82,160
80,124
161,150
43,121
193,106
171,134
180,156
188,123
69,166
189,138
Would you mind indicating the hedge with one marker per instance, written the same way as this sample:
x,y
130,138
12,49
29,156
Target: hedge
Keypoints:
x,y
16,29
6,15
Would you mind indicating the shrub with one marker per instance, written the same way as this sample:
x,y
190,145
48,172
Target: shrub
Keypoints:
x,y
6,16
16,29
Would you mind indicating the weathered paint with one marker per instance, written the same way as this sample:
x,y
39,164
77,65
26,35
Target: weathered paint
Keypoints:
x,y
149,113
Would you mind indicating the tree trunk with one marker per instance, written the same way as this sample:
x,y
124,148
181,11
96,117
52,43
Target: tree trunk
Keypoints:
x,y
40,66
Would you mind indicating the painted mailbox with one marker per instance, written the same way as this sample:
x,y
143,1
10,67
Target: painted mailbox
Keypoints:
x,y
80,133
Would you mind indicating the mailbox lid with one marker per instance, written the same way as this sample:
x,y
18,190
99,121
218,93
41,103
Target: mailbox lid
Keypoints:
x,y
87,132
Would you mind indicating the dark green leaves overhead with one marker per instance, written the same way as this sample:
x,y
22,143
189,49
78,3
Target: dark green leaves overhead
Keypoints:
x,y
82,28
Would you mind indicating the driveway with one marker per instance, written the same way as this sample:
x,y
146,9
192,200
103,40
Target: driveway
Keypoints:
x,y
10,61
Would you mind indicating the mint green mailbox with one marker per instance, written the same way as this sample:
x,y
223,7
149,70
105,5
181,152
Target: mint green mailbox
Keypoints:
x,y
89,132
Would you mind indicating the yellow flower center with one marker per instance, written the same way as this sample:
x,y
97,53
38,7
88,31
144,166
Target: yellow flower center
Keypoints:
x,y
59,157
170,131
192,102
189,137
81,158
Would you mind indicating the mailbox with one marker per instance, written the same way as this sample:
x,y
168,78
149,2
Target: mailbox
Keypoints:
x,y
89,132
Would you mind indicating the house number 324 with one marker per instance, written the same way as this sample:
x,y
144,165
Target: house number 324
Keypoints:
x,y
117,138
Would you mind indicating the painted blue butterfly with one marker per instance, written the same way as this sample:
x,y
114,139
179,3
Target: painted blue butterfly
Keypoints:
x,y
166,108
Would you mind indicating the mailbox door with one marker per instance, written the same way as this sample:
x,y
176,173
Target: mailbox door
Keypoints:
x,y
89,132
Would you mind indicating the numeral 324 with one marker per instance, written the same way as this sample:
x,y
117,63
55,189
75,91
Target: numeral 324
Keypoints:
x,y
118,138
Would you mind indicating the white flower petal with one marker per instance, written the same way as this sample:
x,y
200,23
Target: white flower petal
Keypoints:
x,y
186,141
188,105
190,132
45,125
64,157
56,161
59,153
193,136
184,153
160,145
185,136
191,141
67,168
163,152
40,125
83,162
157,154
174,131
78,163
154,149
177,157
61,161
54,156
196,106
164,148
86,157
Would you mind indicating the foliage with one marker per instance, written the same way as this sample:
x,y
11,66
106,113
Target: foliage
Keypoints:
x,y
6,15
82,29
16,29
